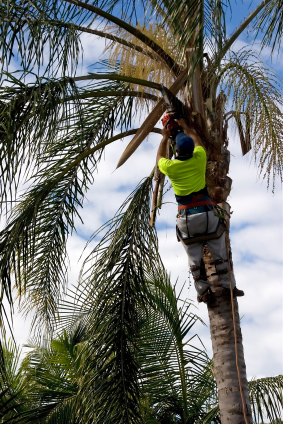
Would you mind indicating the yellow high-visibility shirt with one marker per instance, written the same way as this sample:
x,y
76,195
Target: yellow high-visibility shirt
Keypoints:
x,y
186,176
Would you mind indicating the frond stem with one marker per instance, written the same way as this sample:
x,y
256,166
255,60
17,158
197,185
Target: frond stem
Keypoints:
x,y
94,149
117,77
239,30
113,94
132,30
94,32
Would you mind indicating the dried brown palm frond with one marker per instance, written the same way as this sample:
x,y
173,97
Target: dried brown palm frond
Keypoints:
x,y
148,65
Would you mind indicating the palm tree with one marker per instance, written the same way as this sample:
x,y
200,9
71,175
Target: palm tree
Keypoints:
x,y
55,128
176,381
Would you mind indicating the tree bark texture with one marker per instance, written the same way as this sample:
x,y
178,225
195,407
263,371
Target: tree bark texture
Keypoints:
x,y
224,359
221,317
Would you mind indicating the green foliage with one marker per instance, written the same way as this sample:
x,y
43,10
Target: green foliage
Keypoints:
x,y
254,91
270,21
39,225
266,396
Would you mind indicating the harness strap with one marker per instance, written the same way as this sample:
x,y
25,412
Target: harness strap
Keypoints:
x,y
196,204
200,277
222,271
218,262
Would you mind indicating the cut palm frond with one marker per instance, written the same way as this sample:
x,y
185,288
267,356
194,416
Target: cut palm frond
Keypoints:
x,y
256,97
151,120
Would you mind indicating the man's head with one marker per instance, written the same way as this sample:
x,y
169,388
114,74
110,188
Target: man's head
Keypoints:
x,y
185,144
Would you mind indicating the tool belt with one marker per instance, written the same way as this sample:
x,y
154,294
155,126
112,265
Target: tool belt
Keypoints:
x,y
200,200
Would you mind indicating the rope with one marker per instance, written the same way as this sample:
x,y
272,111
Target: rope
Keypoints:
x,y
235,336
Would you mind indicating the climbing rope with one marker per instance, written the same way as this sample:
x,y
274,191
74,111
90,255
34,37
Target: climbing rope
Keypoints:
x,y
235,336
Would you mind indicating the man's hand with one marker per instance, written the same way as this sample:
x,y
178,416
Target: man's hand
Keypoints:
x,y
189,131
183,124
165,132
162,149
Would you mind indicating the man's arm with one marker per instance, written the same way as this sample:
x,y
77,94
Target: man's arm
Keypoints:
x,y
189,131
161,152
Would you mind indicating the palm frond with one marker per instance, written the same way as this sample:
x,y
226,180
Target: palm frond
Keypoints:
x,y
270,22
14,385
266,396
112,289
31,117
137,64
54,369
38,228
256,98
27,28
151,120
198,24
168,357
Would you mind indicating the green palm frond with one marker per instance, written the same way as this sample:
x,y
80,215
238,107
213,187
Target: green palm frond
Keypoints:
x,y
266,396
31,116
15,387
113,288
256,99
169,359
39,225
55,368
270,22
28,29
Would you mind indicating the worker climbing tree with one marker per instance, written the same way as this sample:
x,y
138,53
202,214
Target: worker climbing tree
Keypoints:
x,y
198,220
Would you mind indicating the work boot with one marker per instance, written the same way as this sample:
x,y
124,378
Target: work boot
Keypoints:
x,y
205,297
236,292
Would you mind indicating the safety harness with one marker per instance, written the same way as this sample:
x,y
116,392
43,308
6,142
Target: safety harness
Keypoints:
x,y
200,200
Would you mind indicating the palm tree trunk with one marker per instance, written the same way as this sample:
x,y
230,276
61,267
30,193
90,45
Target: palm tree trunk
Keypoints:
x,y
224,358
220,315
234,406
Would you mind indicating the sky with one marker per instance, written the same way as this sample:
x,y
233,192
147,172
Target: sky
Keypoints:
x,y
256,235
